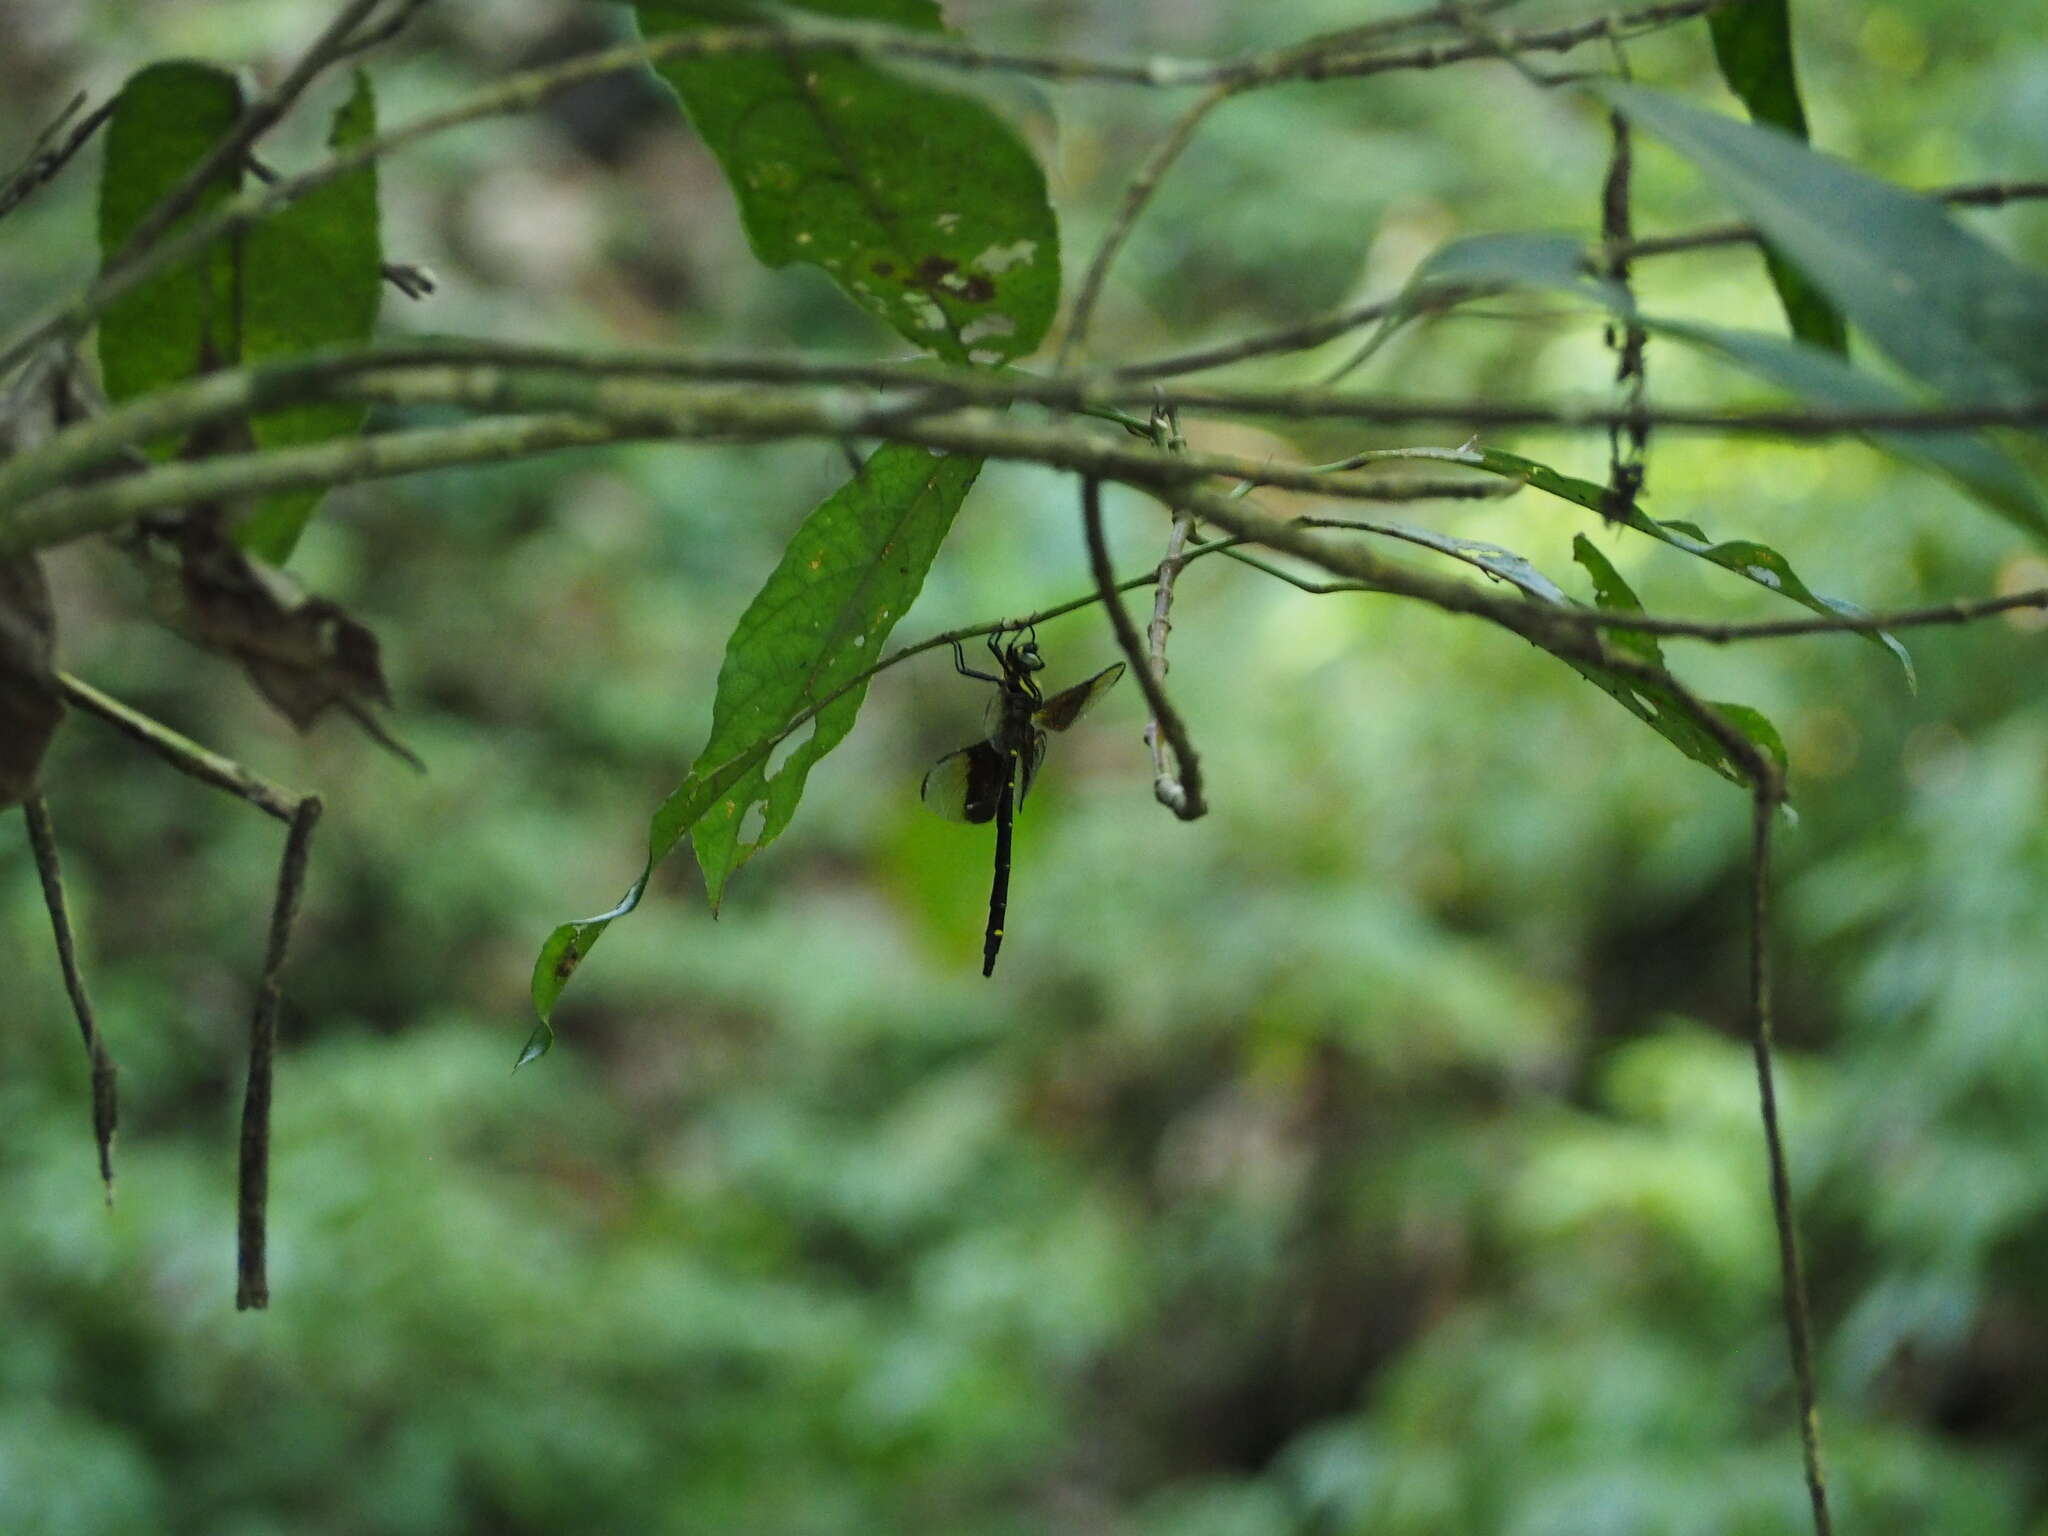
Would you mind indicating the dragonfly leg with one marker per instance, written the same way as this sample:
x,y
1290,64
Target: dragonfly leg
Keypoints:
x,y
960,666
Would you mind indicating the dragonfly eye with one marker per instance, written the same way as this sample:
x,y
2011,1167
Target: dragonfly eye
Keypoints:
x,y
1028,657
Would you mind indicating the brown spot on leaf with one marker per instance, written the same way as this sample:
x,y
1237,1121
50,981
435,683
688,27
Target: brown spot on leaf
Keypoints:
x,y
884,269
933,269
977,289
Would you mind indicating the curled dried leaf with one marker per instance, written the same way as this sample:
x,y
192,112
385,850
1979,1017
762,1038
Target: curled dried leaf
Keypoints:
x,y
30,706
305,654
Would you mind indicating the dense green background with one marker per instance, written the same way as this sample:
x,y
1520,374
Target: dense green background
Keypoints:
x,y
1376,1155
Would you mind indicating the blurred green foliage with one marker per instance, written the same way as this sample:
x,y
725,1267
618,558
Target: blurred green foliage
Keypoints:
x,y
1377,1155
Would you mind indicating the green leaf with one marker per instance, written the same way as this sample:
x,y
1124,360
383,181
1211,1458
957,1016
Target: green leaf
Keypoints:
x,y
1663,709
1501,564
164,121
1948,308
1477,265
311,277
1968,459
1745,557
1491,263
305,279
923,205
1753,45
821,619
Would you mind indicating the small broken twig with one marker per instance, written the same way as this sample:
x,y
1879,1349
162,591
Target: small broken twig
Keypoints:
x,y
252,1280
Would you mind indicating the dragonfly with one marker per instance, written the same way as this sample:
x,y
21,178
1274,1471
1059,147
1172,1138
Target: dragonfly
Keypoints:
x,y
987,780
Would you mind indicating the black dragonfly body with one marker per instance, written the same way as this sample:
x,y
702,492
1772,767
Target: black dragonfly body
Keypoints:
x,y
988,779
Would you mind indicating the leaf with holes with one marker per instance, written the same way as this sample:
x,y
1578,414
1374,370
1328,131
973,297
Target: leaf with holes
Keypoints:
x,y
311,277
923,205
1753,46
854,566
821,619
1663,709
1950,309
180,322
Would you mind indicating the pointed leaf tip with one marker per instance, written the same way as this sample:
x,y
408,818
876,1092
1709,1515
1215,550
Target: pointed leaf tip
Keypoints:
x,y
538,1044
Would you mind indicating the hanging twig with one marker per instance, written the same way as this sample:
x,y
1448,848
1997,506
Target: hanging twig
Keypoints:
x,y
301,813
252,1282
1792,1271
1627,443
1182,796
1136,196
185,755
42,840
1167,783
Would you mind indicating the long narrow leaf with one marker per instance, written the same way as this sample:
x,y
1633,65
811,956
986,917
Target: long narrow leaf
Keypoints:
x,y
1753,46
1948,308
1745,557
1663,709
1497,262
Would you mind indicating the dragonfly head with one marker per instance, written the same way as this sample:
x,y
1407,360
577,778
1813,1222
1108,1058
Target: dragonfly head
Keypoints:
x,y
1021,655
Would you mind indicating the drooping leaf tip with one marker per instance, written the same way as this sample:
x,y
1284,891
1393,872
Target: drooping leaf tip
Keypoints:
x,y
538,1044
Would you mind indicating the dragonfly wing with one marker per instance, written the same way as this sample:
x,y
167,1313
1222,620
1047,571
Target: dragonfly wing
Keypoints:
x,y
965,785
1063,709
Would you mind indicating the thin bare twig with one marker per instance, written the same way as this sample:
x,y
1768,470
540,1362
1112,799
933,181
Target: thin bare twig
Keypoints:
x,y
1305,56
1792,1271
384,31
46,158
1307,334
1136,196
1969,194
183,754
252,1281
409,278
1182,796
301,814
42,838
